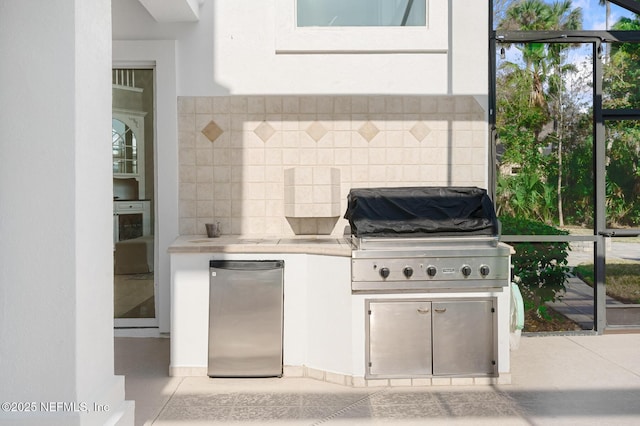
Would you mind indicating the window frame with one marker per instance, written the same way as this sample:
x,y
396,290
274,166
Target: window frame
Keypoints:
x,y
431,38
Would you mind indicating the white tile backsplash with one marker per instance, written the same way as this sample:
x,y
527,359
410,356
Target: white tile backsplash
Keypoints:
x,y
273,105
239,177
256,104
204,174
186,105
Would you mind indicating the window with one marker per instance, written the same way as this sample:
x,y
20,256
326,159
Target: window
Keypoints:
x,y
366,13
362,26
124,148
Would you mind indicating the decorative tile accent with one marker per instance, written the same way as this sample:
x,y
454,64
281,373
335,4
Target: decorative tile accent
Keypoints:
x,y
316,130
420,131
368,131
212,131
264,131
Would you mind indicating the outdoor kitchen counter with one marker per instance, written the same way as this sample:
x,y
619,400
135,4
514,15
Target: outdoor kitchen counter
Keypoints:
x,y
324,331
325,245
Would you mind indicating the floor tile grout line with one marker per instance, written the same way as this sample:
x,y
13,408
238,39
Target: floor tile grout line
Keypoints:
x,y
157,415
604,358
348,407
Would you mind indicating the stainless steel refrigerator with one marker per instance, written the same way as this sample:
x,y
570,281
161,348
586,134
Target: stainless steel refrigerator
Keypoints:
x,y
245,318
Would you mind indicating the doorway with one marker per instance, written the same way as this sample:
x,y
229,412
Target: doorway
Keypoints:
x,y
135,281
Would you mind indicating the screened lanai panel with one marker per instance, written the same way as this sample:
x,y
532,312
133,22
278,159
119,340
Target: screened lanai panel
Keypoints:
x,y
622,279
622,140
621,68
544,146
622,270
545,178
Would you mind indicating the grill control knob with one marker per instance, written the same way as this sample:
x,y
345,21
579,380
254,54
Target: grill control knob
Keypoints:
x,y
432,271
407,271
384,272
466,270
484,270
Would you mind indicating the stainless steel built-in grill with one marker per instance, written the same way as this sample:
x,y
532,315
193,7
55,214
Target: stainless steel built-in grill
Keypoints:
x,y
443,243
425,239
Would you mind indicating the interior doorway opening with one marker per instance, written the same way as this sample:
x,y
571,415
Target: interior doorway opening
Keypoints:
x,y
134,245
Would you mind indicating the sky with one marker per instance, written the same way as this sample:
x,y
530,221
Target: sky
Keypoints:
x,y
593,14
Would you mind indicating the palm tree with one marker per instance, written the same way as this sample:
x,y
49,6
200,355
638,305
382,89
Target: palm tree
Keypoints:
x,y
607,13
564,17
545,62
530,15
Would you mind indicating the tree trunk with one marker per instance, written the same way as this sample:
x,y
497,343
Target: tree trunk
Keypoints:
x,y
560,133
607,16
559,190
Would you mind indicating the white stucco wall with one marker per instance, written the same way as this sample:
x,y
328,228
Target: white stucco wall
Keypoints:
x,y
233,50
56,272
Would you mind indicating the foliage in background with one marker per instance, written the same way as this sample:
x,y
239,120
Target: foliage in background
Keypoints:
x,y
535,116
578,190
544,122
540,269
620,86
524,195
545,146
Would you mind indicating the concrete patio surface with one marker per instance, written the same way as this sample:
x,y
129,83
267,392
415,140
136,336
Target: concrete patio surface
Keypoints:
x,y
556,380
577,303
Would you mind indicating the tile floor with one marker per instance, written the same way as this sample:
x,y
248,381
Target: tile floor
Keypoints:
x,y
556,380
133,296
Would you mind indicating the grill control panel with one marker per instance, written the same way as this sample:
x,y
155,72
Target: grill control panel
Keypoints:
x,y
416,273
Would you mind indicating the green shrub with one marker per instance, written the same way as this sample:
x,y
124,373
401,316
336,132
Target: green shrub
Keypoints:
x,y
539,268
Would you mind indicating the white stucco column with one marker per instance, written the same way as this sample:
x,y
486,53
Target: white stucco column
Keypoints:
x,y
56,264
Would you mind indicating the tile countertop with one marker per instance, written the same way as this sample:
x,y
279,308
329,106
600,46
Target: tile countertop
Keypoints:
x,y
307,244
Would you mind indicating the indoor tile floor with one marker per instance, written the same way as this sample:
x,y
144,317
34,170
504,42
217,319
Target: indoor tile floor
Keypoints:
x,y
556,380
133,296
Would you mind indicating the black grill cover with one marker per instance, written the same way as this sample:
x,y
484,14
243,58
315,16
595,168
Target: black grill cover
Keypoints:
x,y
420,211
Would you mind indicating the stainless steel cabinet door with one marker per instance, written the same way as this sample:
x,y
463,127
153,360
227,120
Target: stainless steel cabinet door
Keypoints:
x,y
463,339
399,338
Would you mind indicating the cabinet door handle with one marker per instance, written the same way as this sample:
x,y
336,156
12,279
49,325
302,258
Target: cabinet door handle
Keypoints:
x,y
440,310
423,310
